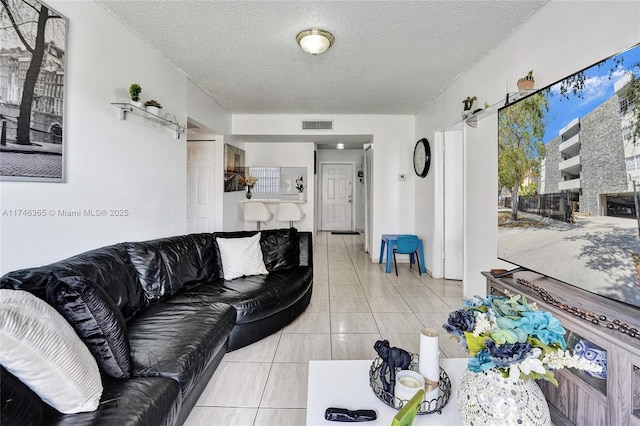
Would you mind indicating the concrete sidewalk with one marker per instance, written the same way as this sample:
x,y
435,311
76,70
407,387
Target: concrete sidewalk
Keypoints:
x,y
594,253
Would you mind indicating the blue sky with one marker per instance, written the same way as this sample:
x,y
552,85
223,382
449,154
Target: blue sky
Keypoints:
x,y
598,88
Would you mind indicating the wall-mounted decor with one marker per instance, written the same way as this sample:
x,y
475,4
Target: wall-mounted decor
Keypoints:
x,y
33,58
233,168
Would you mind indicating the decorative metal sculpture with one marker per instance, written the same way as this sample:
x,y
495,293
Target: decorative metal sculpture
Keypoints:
x,y
392,359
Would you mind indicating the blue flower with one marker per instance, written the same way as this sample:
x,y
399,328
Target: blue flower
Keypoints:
x,y
481,362
459,321
515,326
543,326
507,354
508,334
478,301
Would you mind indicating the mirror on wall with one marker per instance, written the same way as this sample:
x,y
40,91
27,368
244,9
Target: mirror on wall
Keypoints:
x,y
286,183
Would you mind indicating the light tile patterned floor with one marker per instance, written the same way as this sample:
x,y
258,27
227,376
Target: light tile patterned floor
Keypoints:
x,y
354,304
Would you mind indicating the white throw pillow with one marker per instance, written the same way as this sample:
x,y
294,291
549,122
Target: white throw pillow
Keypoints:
x,y
241,256
40,348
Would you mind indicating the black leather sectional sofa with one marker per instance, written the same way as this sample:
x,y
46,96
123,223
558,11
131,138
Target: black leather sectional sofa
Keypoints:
x,y
158,317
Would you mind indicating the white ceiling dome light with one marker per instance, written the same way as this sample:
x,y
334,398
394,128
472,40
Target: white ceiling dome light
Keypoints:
x,y
315,41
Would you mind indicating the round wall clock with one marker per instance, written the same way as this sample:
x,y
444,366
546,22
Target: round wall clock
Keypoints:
x,y
422,157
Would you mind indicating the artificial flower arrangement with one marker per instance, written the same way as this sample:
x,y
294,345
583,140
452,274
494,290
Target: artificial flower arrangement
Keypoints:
x,y
300,184
511,335
250,180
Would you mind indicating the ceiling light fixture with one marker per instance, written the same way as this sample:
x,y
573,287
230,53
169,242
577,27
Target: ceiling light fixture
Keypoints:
x,y
340,146
315,41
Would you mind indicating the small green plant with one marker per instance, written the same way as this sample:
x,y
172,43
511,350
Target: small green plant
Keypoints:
x,y
527,77
468,103
153,103
526,83
134,91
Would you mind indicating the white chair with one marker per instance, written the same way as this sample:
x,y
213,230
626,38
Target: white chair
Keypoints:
x,y
258,212
289,212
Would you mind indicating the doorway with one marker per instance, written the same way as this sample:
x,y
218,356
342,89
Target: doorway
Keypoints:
x,y
201,188
336,196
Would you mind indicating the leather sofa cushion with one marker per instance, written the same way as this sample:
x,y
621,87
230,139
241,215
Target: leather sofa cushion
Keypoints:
x,y
179,340
280,248
33,280
107,267
20,405
96,320
255,297
165,266
138,401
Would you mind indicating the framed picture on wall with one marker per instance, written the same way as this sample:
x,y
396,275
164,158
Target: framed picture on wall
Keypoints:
x,y
32,77
233,168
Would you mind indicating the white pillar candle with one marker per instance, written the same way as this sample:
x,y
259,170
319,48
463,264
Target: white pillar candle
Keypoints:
x,y
432,391
407,384
429,363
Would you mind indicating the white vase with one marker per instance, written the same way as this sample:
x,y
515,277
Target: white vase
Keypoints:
x,y
153,110
487,398
137,104
301,196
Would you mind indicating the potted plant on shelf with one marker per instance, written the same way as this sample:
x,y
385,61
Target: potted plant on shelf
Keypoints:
x,y
153,106
468,104
526,82
134,91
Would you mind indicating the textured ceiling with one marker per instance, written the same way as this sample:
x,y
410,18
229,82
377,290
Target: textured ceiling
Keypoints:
x,y
389,57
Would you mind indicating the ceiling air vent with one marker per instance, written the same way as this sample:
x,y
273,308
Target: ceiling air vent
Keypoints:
x,y
317,125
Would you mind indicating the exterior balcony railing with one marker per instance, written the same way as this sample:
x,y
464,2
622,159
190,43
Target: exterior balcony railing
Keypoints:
x,y
570,166
570,185
571,147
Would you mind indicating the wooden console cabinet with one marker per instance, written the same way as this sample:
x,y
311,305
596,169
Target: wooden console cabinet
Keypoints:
x,y
580,399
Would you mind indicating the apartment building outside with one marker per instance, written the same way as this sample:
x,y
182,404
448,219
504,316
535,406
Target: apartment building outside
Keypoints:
x,y
594,161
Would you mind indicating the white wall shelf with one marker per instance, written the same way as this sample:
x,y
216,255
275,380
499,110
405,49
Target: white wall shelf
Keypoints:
x,y
125,108
471,119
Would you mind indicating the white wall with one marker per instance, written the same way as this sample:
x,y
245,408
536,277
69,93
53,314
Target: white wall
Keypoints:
x,y
393,139
285,154
357,157
561,38
133,165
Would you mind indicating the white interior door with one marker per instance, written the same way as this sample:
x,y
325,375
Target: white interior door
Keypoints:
x,y
453,204
336,200
200,188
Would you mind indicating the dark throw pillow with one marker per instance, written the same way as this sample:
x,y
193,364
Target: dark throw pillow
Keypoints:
x,y
96,319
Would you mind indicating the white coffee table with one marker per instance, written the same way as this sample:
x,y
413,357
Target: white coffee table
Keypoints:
x,y
345,384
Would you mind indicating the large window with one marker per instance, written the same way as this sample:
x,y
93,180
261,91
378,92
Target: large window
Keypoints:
x,y
633,163
268,179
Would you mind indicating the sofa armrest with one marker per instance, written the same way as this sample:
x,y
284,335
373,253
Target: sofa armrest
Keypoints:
x,y
306,248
